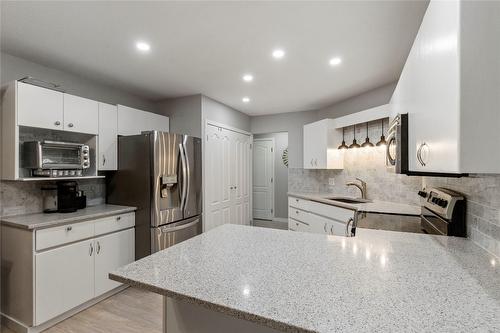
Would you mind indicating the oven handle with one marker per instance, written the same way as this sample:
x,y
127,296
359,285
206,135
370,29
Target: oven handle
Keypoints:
x,y
432,224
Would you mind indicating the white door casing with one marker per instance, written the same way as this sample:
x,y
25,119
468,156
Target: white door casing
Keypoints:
x,y
263,178
227,174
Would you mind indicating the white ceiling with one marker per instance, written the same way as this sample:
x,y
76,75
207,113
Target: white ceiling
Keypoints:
x,y
206,47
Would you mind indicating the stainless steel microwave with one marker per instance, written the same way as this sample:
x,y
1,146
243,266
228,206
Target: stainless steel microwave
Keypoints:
x,y
397,144
54,159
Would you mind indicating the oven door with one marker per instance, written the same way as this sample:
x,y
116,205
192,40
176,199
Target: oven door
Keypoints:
x,y
432,223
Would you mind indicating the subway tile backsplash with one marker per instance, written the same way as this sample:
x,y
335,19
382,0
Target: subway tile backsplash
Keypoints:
x,y
482,191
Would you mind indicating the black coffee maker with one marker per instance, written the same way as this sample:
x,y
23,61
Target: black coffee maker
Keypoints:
x,y
69,198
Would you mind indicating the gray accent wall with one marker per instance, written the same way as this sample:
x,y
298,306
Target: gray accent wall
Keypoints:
x,y
14,68
221,113
292,123
280,173
184,114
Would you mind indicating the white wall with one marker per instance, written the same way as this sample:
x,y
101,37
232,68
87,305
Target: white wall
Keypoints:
x,y
280,173
13,68
184,113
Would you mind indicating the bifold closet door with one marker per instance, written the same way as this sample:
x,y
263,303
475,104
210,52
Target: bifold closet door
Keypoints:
x,y
227,177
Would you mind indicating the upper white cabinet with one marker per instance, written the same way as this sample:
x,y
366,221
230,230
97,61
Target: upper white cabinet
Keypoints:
x,y
133,121
108,141
39,107
320,146
449,88
80,114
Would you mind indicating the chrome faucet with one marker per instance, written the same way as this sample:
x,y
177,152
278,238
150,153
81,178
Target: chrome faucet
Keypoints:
x,y
361,186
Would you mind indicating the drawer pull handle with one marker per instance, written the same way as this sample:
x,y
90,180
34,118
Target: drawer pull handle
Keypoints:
x,y
118,218
69,228
57,123
98,248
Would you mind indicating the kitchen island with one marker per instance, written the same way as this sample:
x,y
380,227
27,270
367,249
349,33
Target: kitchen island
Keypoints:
x,y
248,279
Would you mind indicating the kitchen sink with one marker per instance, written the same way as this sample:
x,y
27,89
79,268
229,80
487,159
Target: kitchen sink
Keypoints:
x,y
349,200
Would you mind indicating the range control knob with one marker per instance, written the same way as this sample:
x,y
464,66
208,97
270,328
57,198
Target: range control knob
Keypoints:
x,y
443,203
423,194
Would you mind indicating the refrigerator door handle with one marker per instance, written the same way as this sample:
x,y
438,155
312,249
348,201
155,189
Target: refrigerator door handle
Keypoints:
x,y
184,176
188,176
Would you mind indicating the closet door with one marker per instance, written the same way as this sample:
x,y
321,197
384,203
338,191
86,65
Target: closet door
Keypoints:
x,y
217,177
240,178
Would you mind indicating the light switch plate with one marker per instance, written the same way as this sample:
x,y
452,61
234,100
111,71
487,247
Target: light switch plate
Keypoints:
x,y
331,181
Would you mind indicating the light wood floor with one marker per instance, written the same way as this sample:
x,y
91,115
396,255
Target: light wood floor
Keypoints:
x,y
130,311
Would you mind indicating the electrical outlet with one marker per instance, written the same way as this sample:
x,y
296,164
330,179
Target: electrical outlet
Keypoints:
x,y
331,181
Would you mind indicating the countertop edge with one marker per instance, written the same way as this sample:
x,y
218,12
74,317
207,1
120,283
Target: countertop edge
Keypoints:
x,y
35,226
274,324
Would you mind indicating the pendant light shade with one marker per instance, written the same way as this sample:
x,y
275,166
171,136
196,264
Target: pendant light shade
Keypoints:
x,y
382,141
367,142
343,145
354,143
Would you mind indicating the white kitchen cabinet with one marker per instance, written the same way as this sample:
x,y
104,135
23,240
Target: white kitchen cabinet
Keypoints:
x,y
133,121
449,88
64,279
108,137
321,139
39,107
319,218
81,114
112,251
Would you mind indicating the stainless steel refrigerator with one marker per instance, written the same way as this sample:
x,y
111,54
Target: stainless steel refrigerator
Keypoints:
x,y
160,174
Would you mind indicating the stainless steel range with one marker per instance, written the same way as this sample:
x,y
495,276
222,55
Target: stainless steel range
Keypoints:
x,y
443,212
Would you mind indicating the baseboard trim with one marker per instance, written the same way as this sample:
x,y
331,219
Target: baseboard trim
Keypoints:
x,y
19,327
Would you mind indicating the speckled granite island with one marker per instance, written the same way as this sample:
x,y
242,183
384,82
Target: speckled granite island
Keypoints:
x,y
248,279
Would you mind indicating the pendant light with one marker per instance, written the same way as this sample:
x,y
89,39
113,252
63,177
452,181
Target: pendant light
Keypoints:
x,y
343,145
382,141
354,143
367,142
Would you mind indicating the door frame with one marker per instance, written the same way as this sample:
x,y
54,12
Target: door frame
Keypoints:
x,y
209,122
273,186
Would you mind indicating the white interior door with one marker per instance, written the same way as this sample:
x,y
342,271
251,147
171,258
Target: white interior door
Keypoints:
x,y
227,177
263,179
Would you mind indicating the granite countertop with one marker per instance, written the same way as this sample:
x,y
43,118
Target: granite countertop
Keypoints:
x,y
44,220
299,282
374,206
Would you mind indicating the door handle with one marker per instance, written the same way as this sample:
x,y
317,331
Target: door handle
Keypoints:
x,y
184,176
57,123
91,250
98,248
347,233
324,228
70,125
103,159
312,159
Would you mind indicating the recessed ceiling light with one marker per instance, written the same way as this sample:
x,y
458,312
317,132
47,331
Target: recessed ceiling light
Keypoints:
x,y
278,53
335,61
248,77
143,46
245,99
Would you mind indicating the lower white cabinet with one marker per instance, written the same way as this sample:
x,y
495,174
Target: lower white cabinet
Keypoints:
x,y
57,269
310,216
112,251
64,279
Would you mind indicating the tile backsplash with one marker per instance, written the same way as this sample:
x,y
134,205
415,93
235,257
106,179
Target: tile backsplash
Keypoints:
x,y
18,197
482,191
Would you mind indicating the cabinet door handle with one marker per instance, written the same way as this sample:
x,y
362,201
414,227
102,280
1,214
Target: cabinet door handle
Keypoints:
x,y
103,159
347,233
331,230
312,159
316,161
91,251
118,218
57,123
70,125
324,228
98,248
69,228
